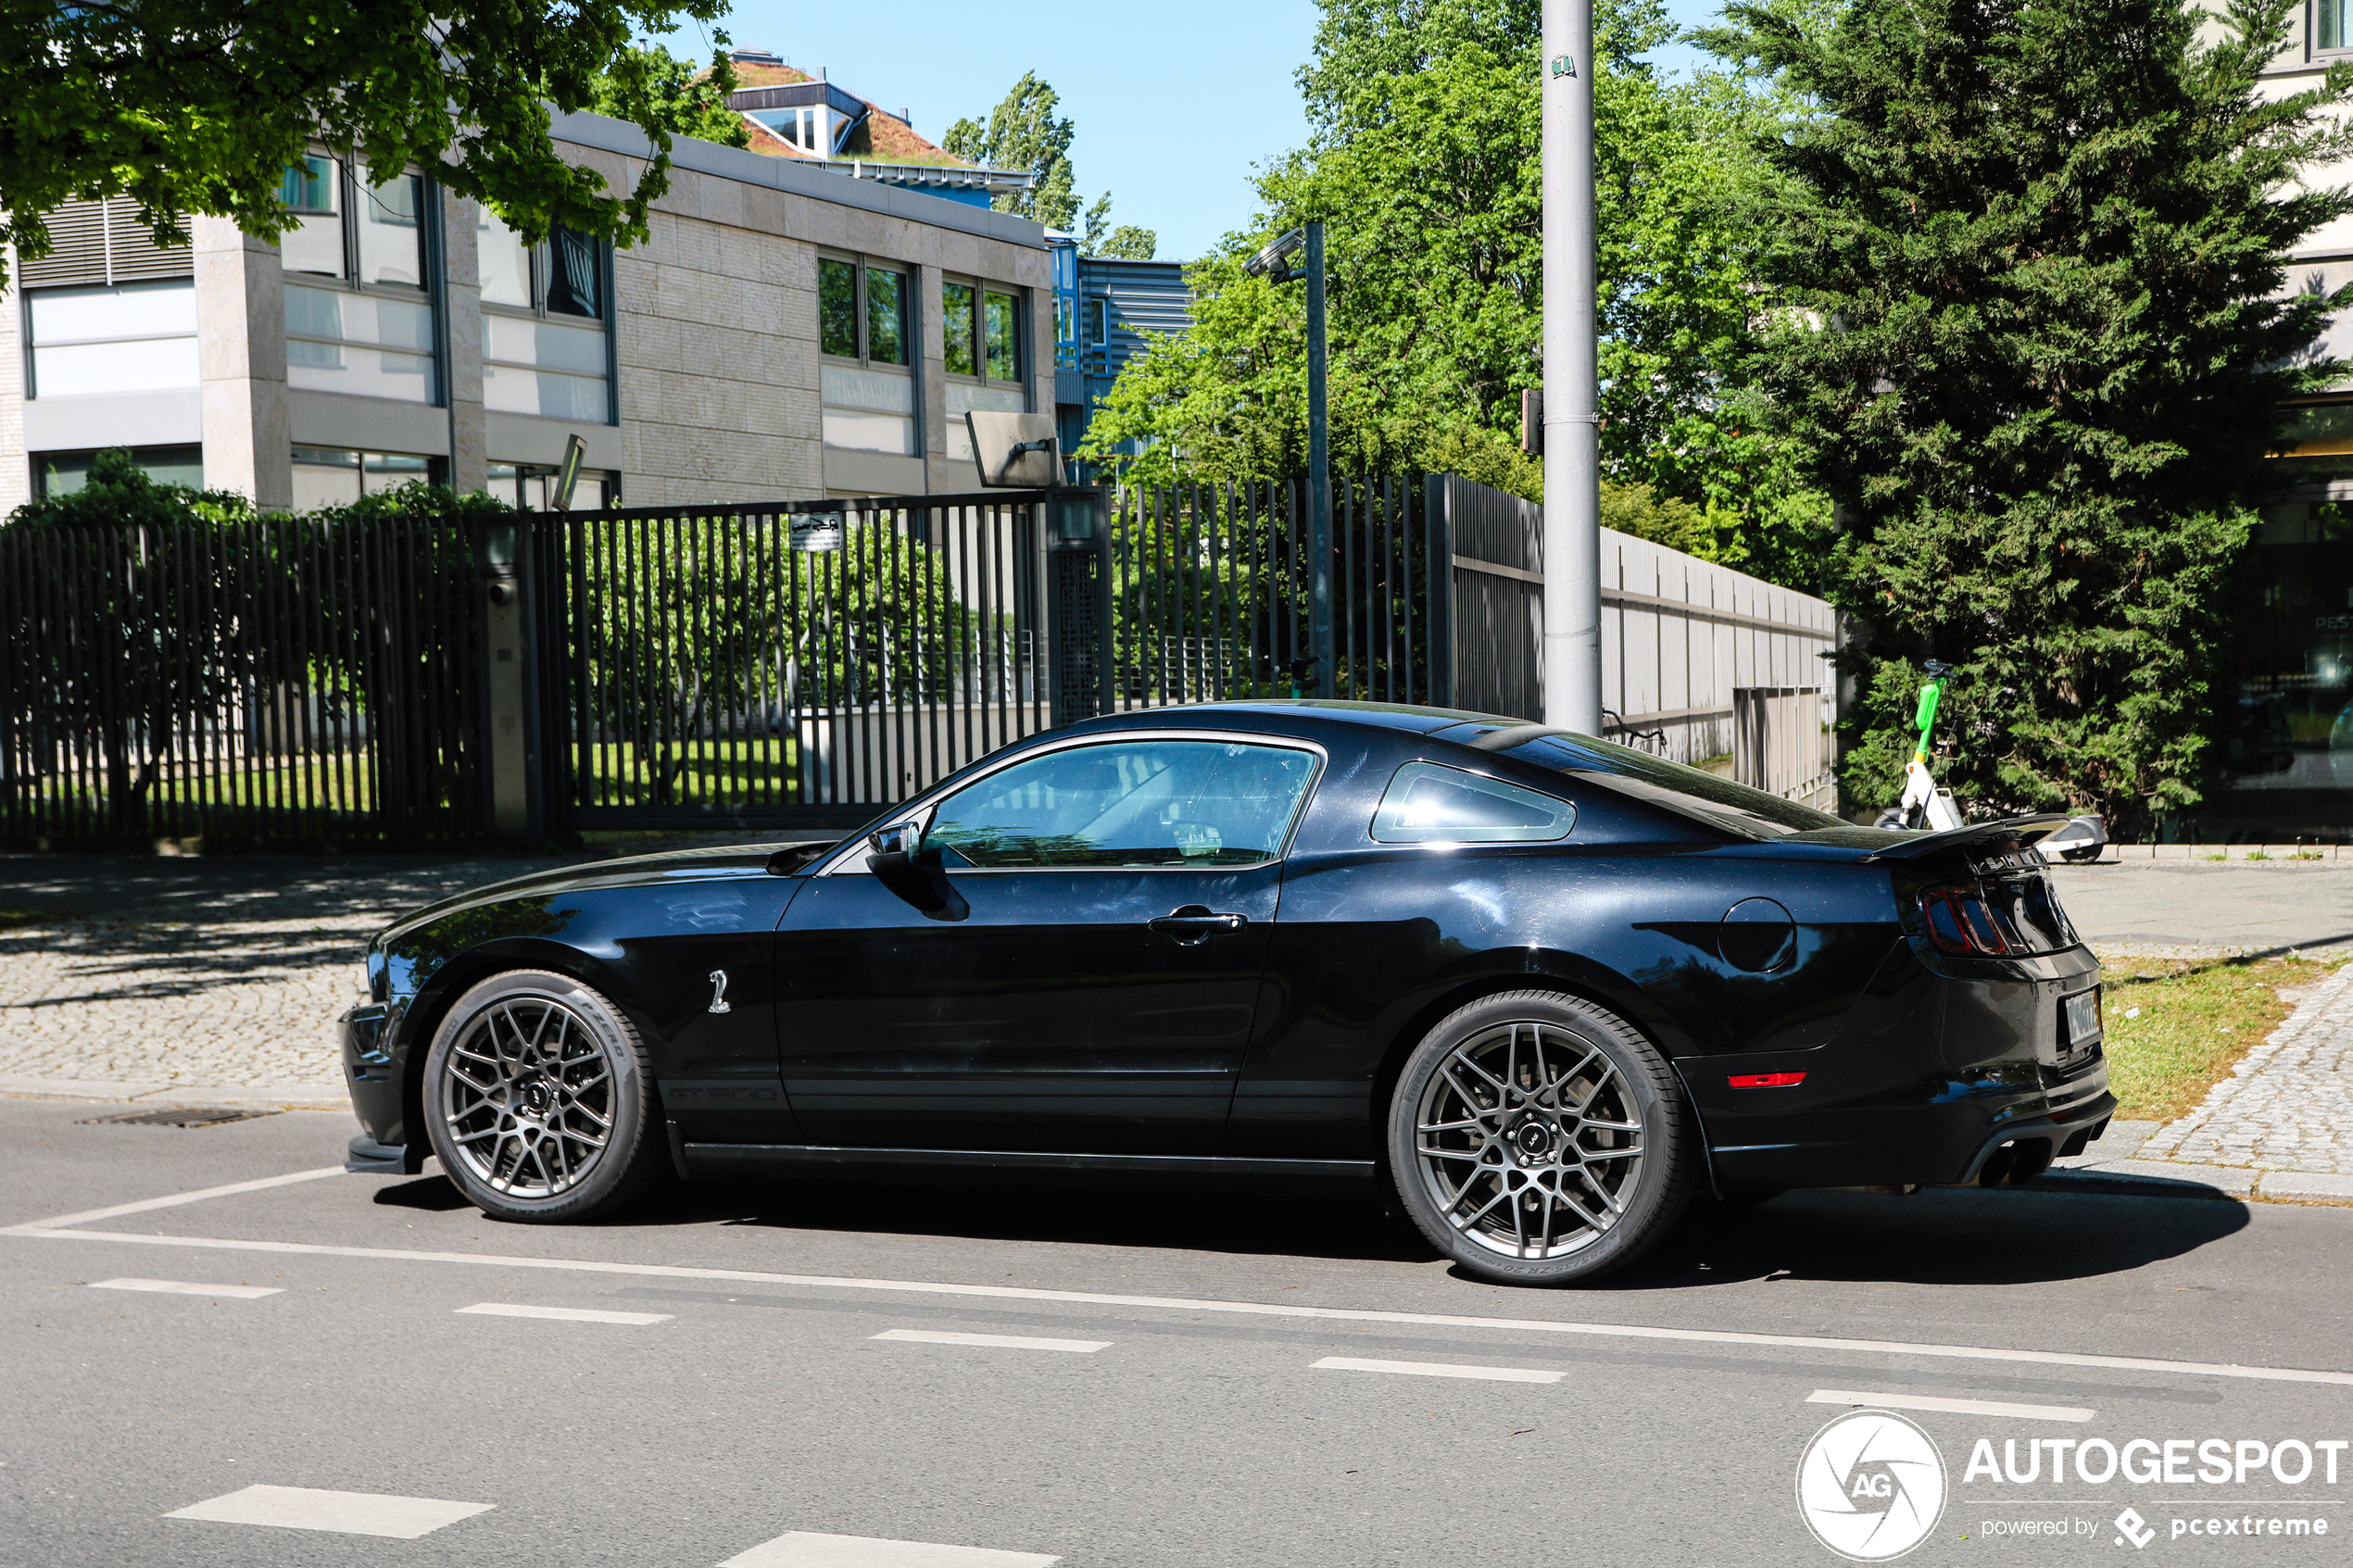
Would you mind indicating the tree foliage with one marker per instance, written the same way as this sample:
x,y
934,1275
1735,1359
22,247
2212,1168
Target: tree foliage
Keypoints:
x,y
1023,132
198,106
2036,335
1425,164
689,100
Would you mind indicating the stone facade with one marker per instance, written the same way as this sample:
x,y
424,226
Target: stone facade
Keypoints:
x,y
714,338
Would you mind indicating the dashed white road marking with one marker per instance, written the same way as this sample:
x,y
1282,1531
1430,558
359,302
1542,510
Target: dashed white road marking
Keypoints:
x,y
1439,1369
58,1229
1956,1406
565,1314
804,1549
181,1287
998,1341
346,1513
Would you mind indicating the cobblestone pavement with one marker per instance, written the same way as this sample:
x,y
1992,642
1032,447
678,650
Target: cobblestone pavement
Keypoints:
x,y
2289,1105
220,973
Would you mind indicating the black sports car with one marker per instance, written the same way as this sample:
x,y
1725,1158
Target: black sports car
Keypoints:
x,y
1547,986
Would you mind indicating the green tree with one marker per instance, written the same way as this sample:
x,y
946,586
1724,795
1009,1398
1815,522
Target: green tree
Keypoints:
x,y
2035,338
198,106
1424,164
1023,132
689,100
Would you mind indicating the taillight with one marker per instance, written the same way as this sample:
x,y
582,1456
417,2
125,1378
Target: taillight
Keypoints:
x,y
1960,922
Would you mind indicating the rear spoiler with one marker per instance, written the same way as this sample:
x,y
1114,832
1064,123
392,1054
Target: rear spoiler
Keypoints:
x,y
2009,836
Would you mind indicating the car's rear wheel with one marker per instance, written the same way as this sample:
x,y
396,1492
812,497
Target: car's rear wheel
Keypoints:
x,y
538,1102
1537,1138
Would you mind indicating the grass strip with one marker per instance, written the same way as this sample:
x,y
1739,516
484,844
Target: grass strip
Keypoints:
x,y
2177,1026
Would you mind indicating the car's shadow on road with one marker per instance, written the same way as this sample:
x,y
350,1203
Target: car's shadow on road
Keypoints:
x,y
1949,1236
1940,1236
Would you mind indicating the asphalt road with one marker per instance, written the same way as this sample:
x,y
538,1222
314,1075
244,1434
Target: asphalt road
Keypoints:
x,y
2172,906
758,1416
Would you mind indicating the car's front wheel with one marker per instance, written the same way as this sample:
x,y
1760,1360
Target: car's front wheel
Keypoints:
x,y
538,1102
1537,1138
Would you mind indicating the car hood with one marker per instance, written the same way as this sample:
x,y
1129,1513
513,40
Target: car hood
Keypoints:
x,y
635,870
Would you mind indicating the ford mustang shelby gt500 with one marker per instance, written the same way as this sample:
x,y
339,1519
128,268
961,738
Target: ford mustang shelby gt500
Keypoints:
x,y
1546,986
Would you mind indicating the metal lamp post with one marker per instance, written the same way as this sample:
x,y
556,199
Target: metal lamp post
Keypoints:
x,y
1273,263
1572,391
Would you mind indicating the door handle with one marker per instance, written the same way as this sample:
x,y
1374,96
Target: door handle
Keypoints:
x,y
1195,923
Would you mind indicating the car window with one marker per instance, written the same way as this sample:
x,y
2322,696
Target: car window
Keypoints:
x,y
1128,803
1429,804
1688,792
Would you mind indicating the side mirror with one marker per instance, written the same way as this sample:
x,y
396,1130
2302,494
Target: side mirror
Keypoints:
x,y
894,846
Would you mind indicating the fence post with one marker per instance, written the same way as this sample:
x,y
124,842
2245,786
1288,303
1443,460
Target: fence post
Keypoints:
x,y
502,569
1439,587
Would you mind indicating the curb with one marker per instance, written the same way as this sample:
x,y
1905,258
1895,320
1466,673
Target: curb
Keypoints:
x,y
285,1097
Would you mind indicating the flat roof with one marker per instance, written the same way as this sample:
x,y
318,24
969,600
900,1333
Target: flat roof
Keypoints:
x,y
802,178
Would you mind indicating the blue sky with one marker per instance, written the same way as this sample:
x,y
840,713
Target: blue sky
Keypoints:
x,y
1173,107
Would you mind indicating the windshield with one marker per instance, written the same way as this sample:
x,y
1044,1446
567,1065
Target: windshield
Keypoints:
x,y
1700,797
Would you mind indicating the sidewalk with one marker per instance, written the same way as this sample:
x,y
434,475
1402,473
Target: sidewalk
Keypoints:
x,y
213,981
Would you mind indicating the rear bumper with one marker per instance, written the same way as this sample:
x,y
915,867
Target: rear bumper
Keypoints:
x,y
1936,1079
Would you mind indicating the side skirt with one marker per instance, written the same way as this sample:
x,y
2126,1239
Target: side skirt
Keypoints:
x,y
736,1161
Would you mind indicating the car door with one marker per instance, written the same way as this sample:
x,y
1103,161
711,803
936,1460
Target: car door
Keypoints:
x,y
1068,961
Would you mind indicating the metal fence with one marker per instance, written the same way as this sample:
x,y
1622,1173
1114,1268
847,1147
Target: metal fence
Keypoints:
x,y
1210,593
804,664
269,678
784,664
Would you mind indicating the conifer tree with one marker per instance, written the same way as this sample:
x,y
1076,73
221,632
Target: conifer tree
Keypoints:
x,y
2036,324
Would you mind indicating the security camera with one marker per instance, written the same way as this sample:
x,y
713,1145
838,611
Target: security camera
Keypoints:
x,y
1274,261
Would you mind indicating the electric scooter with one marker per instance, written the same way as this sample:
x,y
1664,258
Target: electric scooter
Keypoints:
x,y
1926,806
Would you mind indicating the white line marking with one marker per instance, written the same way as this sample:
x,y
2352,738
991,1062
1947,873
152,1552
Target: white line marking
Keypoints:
x,y
181,1287
567,1314
176,1200
1958,1407
1000,1341
48,1231
803,1550
1440,1368
348,1513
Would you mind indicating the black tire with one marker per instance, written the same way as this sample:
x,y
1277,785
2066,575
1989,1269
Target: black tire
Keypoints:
x,y
1629,1161
521,1072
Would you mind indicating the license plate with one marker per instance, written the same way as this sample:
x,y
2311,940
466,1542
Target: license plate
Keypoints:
x,y
2080,1018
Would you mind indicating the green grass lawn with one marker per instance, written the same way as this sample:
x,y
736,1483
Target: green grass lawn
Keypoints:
x,y
2177,1026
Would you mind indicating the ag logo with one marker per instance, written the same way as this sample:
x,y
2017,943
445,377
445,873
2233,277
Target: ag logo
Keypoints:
x,y
1872,1485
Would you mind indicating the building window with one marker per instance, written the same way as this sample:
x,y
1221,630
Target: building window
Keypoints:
x,y
327,476
105,342
1099,321
531,488
546,323
2329,31
866,328
983,358
62,473
359,316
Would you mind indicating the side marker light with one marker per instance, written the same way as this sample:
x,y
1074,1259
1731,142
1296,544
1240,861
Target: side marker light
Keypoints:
x,y
1765,1080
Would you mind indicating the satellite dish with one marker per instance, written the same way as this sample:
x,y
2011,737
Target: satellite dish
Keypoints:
x,y
1015,451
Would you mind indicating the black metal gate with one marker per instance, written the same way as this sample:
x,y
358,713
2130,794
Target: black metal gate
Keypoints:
x,y
785,666
256,679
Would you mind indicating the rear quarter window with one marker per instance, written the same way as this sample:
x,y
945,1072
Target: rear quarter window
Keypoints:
x,y
1430,803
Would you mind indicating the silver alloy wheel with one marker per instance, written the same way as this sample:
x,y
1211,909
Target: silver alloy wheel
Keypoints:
x,y
527,1098
1530,1144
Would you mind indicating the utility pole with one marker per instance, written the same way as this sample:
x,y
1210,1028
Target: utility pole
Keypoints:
x,y
1572,379
1319,472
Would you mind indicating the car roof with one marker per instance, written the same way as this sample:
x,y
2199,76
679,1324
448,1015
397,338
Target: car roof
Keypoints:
x,y
1398,716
